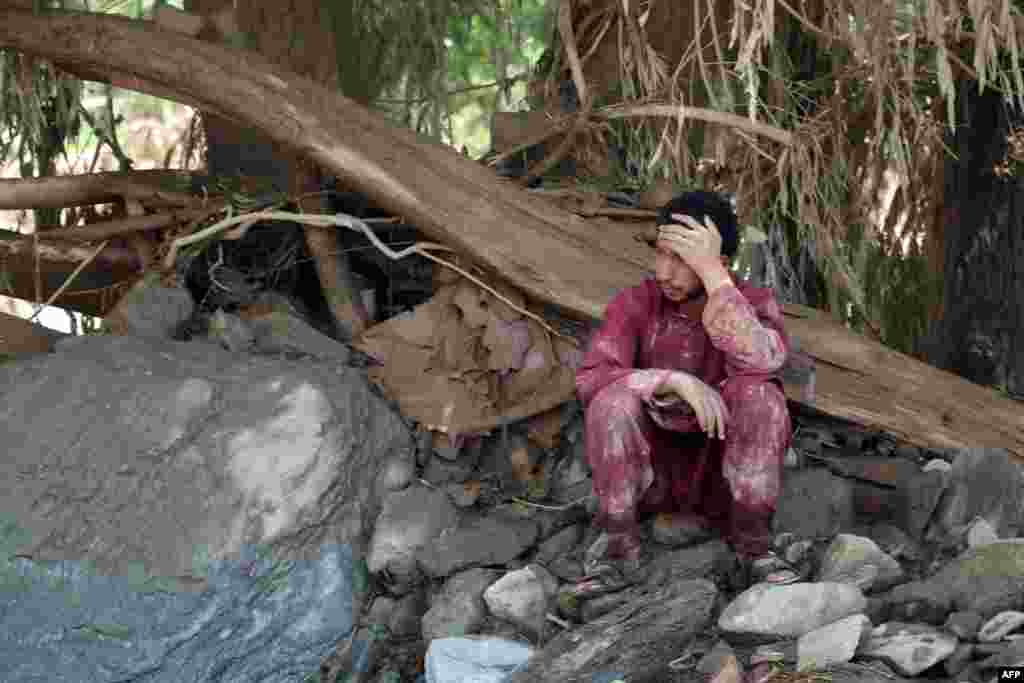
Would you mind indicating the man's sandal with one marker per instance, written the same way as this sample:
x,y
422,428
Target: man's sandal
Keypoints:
x,y
604,576
772,569
608,579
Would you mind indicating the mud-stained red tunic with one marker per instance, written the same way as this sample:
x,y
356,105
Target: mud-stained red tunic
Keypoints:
x,y
648,454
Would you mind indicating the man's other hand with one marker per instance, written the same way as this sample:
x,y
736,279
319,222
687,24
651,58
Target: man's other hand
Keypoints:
x,y
707,404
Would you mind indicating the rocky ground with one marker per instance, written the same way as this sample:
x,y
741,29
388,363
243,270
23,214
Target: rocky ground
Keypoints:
x,y
911,563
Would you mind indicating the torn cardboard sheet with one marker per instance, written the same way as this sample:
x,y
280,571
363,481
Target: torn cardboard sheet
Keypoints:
x,y
464,361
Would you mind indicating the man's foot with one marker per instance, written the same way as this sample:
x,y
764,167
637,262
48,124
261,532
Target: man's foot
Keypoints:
x,y
772,569
604,574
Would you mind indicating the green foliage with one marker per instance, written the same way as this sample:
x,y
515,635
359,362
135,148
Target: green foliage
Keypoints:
x,y
903,292
445,66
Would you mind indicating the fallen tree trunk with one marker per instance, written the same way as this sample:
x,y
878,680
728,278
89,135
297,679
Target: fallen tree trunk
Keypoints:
x,y
550,254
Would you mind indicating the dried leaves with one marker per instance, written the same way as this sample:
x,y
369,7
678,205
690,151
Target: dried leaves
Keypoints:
x,y
460,362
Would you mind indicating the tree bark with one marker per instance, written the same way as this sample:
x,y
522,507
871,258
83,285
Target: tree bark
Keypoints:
x,y
550,254
980,334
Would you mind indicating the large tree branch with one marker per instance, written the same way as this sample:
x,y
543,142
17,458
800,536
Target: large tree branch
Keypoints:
x,y
446,195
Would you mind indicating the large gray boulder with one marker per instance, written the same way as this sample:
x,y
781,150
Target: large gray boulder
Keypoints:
x,y
178,512
985,483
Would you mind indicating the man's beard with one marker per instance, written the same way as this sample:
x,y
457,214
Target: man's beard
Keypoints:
x,y
691,295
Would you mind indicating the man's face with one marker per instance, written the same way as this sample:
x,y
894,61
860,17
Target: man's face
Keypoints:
x,y
677,280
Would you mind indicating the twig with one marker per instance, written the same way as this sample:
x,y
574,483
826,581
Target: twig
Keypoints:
x,y
565,29
561,622
572,51
558,126
320,220
108,229
808,24
38,274
457,91
533,316
552,508
70,279
711,116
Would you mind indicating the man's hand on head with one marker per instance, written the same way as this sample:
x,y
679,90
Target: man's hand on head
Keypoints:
x,y
699,245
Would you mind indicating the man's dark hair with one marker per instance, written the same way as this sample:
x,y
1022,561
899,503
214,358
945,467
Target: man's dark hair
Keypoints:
x,y
701,203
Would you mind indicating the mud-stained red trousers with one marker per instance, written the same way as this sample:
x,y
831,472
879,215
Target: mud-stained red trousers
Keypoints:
x,y
640,467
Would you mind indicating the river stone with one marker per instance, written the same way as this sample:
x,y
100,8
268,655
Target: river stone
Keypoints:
x,y
396,473
920,495
560,544
847,554
814,503
790,611
151,309
910,648
960,659
1010,653
206,508
405,619
281,330
676,529
987,580
964,625
981,533
894,541
410,519
832,644
937,465
478,541
986,483
523,597
886,471
696,562
639,639
458,610
1000,626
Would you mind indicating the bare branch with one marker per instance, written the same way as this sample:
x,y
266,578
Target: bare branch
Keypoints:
x,y
709,115
153,188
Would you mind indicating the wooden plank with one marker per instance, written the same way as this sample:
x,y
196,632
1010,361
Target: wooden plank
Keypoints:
x,y
868,383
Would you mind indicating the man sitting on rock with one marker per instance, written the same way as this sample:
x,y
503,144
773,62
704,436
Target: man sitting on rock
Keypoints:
x,y
684,412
